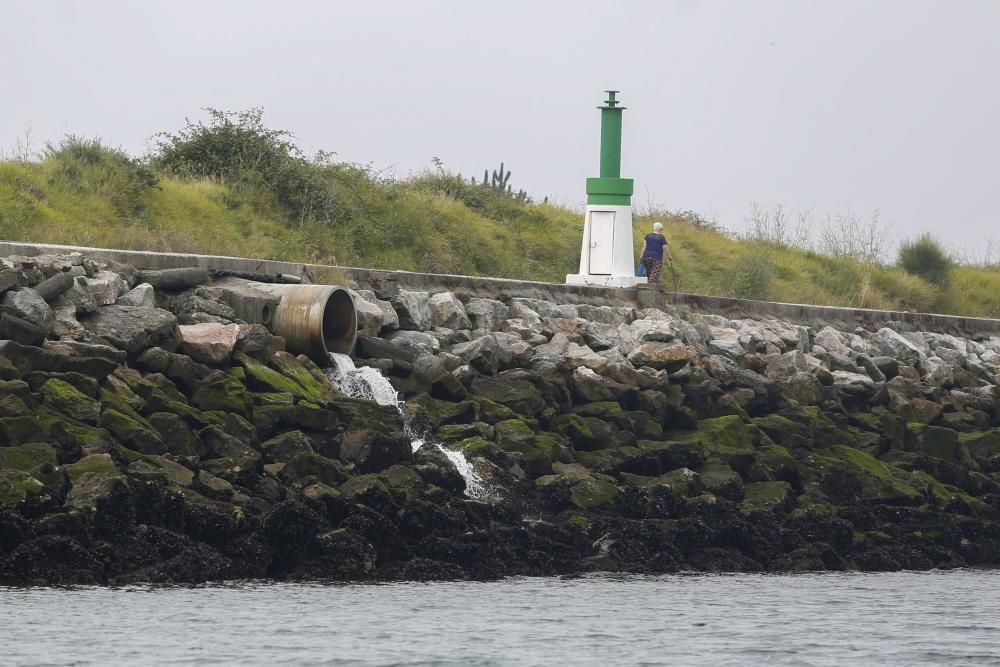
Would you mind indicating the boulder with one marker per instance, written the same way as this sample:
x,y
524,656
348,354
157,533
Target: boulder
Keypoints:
x,y
370,316
141,296
286,446
517,393
670,357
483,354
892,344
175,280
413,310
134,329
448,312
105,287
67,399
52,287
209,343
486,314
62,356
26,304
374,450
20,330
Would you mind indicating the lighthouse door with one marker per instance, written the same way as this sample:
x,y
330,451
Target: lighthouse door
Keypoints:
x,y
602,237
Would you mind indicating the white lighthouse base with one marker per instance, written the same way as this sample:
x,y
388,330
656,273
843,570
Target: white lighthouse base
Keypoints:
x,y
604,281
607,258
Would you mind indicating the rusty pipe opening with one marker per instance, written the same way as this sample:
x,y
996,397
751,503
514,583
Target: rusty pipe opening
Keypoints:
x,y
340,323
314,320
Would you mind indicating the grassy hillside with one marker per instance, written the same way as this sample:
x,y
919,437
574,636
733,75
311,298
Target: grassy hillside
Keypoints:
x,y
316,210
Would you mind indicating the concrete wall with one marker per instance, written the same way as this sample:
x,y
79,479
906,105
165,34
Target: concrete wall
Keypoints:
x,y
387,282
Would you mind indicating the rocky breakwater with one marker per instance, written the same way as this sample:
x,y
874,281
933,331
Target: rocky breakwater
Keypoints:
x,y
148,434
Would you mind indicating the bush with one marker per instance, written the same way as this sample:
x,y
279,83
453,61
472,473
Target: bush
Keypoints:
x,y
86,166
238,149
925,257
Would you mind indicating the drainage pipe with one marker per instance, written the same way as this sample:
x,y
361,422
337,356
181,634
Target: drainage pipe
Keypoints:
x,y
314,320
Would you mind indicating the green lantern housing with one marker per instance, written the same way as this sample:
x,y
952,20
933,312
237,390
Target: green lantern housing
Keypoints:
x,y
610,188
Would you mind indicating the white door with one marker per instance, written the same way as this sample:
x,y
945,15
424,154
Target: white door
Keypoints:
x,y
602,241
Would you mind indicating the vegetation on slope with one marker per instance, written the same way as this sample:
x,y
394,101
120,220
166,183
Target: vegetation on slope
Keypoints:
x,y
234,186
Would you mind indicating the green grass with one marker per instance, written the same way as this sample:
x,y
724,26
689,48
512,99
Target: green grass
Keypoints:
x,y
82,193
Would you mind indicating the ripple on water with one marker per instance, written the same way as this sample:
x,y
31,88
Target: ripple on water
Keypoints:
x,y
812,619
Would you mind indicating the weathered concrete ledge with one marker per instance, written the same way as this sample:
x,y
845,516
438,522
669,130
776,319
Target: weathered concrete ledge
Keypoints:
x,y
386,282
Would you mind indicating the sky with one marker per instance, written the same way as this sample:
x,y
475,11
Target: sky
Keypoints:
x,y
828,106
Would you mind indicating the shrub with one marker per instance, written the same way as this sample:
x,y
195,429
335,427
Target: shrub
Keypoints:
x,y
238,149
925,257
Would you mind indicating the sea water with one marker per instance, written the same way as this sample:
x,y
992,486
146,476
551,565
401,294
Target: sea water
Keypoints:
x,y
902,618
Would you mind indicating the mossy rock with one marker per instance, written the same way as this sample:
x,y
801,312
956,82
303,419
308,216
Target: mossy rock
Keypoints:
x,y
13,406
307,467
96,463
91,439
765,496
644,426
578,431
492,412
192,416
456,432
849,474
594,492
823,433
272,398
135,434
273,419
22,430
286,446
807,506
983,447
518,394
178,437
364,487
673,454
727,439
779,463
721,480
91,488
260,377
680,483
27,457
609,411
317,491
620,459
783,431
220,391
477,446
312,387
554,446
118,395
173,472
16,486
514,435
939,442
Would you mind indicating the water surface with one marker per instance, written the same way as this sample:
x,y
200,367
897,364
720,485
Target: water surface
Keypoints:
x,y
949,618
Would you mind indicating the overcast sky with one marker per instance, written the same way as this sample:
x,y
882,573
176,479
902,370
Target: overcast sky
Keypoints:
x,y
891,105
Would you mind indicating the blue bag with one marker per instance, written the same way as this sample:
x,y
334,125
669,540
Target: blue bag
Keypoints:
x,y
640,270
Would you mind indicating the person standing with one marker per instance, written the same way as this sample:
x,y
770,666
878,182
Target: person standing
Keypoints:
x,y
652,253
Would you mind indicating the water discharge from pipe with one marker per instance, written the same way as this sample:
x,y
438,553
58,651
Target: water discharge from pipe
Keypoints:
x,y
370,384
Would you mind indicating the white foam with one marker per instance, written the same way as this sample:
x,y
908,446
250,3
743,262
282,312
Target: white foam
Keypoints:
x,y
370,384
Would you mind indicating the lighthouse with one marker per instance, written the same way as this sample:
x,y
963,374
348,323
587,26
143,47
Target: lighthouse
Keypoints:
x,y
606,255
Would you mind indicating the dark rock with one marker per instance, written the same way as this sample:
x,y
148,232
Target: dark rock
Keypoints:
x,y
52,287
373,450
134,329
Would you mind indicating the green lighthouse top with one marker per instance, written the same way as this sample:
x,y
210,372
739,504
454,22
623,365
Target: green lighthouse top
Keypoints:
x,y
610,188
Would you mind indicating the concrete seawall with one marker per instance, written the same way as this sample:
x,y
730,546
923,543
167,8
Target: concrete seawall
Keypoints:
x,y
386,282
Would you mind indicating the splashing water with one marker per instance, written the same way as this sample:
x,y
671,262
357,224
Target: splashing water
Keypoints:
x,y
369,383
